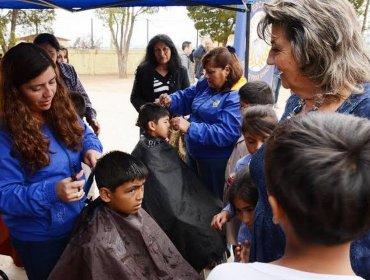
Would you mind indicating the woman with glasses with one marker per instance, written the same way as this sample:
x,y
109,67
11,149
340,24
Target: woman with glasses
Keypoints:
x,y
160,72
214,124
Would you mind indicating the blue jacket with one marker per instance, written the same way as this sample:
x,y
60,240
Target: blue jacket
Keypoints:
x,y
268,239
30,206
214,121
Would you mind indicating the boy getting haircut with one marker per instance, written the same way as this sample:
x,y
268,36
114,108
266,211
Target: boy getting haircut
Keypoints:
x,y
150,112
116,239
256,93
117,168
318,180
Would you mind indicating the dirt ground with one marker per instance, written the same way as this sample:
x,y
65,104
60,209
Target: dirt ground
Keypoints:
x,y
110,97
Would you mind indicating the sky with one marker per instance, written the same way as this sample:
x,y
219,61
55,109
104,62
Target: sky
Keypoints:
x,y
172,21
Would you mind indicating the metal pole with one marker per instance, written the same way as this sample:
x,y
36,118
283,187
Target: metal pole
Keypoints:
x,y
147,31
247,33
92,33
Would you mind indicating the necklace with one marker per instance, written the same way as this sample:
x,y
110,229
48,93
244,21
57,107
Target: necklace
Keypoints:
x,y
297,109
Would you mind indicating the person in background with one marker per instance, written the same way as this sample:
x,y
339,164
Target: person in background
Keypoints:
x,y
213,127
199,52
114,237
317,176
160,72
67,75
42,144
187,49
63,55
322,60
243,196
252,93
259,121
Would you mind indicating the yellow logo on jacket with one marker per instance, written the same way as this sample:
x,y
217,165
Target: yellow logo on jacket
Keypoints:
x,y
215,104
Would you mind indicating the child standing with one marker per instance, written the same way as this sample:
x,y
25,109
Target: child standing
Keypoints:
x,y
175,197
258,124
115,238
252,93
317,177
243,196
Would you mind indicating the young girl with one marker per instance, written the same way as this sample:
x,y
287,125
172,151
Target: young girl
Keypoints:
x,y
258,124
243,196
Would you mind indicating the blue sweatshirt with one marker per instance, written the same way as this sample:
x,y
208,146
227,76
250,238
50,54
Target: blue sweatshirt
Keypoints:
x,y
214,119
30,206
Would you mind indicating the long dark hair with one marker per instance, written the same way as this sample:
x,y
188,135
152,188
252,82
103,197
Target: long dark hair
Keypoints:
x,y
149,59
21,64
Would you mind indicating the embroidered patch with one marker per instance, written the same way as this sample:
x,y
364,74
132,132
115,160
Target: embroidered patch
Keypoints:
x,y
215,104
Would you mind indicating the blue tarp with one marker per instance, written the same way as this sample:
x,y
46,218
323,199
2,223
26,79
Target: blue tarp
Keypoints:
x,y
79,5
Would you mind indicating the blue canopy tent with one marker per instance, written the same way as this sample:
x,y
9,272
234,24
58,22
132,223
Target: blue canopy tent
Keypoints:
x,y
82,5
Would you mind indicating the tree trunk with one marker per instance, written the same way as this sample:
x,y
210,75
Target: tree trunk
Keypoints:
x,y
365,16
13,25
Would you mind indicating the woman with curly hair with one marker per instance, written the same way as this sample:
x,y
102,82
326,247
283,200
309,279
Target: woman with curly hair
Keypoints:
x,y
42,143
160,72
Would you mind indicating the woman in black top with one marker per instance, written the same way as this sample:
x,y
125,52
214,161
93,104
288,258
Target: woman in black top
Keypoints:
x,y
160,72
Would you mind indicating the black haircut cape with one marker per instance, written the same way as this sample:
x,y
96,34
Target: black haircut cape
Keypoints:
x,y
109,245
180,203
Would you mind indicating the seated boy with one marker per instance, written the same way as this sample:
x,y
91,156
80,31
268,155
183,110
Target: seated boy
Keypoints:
x,y
114,237
318,180
175,197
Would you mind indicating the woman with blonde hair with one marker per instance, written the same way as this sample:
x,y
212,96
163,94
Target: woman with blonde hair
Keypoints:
x,y
317,47
42,144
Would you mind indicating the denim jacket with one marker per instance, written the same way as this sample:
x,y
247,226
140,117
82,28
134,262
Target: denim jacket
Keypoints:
x,y
268,240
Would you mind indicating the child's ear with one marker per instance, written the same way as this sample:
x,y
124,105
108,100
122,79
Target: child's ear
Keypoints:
x,y
278,212
105,194
151,126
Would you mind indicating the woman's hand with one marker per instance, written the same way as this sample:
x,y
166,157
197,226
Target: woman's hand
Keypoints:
x,y
242,252
165,100
90,158
69,190
179,123
219,220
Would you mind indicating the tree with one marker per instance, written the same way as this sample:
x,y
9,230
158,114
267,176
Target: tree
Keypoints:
x,y
120,22
214,22
33,21
362,8
36,21
84,42
8,19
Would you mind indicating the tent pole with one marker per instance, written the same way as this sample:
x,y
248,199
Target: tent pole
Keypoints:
x,y
247,33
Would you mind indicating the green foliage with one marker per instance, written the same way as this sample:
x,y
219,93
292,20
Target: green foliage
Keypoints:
x,y
36,21
357,4
213,22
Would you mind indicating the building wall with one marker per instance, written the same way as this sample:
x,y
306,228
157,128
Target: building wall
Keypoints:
x,y
102,62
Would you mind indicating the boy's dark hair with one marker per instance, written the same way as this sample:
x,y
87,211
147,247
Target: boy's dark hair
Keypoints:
x,y
116,168
150,112
48,39
79,103
256,93
259,120
185,44
317,167
243,187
